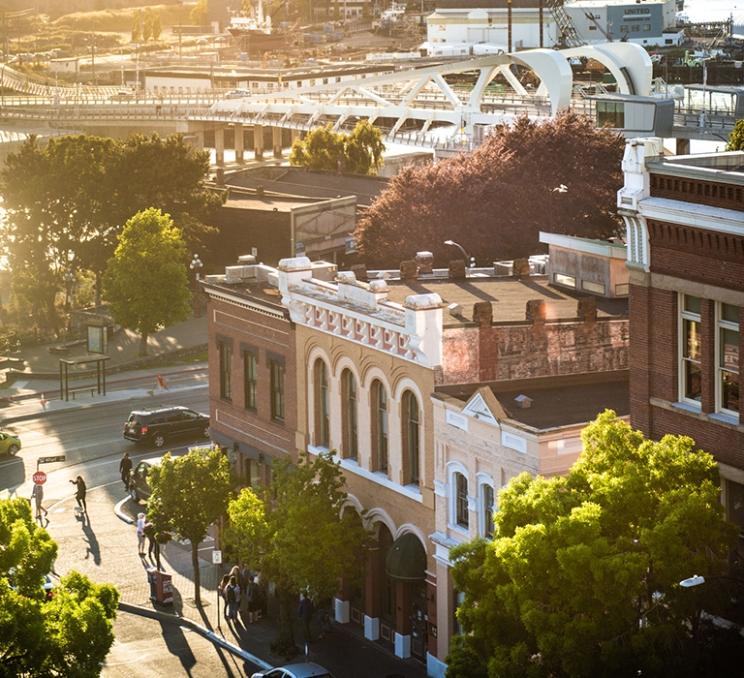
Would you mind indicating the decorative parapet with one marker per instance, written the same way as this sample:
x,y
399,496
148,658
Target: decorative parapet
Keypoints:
x,y
636,188
360,312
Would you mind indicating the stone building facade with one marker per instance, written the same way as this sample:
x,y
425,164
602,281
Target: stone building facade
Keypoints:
x,y
685,223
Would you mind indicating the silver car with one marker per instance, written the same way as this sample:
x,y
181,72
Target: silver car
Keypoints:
x,y
307,670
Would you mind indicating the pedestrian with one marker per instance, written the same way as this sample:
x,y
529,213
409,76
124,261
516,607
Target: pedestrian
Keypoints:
x,y
125,467
141,534
80,491
44,402
37,494
244,581
305,613
152,544
162,384
233,599
222,590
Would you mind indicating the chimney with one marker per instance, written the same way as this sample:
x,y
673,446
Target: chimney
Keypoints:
x,y
360,272
408,270
521,268
457,270
483,313
586,309
536,311
425,261
523,402
293,271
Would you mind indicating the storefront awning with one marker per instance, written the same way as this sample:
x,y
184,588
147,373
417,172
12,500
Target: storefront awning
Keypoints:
x,y
406,559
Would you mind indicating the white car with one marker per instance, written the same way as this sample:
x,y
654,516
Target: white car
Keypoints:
x,y
238,94
308,670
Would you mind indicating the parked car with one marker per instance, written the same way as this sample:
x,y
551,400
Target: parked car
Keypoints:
x,y
238,94
122,95
139,488
308,670
157,426
10,443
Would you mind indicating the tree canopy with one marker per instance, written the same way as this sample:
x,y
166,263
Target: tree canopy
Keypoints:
x,y
68,199
189,493
41,636
581,578
357,152
559,175
146,280
736,140
296,533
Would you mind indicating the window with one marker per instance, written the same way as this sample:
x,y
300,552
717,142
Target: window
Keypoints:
x,y
379,417
487,507
461,501
249,380
611,114
727,361
277,390
567,280
225,351
322,424
410,438
690,383
593,287
350,446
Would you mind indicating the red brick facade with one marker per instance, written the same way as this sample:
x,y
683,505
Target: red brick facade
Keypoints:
x,y
259,436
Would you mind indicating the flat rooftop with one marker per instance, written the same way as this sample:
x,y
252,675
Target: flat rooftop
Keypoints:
x,y
556,401
508,297
267,203
725,167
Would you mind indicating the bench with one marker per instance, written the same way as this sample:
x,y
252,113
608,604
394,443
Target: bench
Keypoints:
x,y
83,389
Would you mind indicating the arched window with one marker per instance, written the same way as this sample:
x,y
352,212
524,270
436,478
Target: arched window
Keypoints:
x,y
410,437
349,405
462,519
487,507
379,416
322,423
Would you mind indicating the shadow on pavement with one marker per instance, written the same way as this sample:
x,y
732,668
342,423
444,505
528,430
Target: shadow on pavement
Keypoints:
x,y
93,549
11,474
178,646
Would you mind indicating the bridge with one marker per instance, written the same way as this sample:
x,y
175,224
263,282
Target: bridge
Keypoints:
x,y
448,106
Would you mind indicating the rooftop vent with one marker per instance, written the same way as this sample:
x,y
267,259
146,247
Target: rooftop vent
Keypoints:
x,y
455,310
524,402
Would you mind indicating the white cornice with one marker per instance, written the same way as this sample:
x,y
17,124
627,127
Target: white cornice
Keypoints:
x,y
242,302
693,214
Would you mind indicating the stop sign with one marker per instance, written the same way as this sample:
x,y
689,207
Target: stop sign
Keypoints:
x,y
39,478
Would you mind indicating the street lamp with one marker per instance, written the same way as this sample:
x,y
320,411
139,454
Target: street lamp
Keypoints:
x,y
695,580
196,265
468,259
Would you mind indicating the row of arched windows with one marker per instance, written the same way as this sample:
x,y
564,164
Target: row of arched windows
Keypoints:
x,y
379,417
462,508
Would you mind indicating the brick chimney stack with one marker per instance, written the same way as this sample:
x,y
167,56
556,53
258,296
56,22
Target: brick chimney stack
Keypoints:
x,y
483,313
536,311
521,268
408,270
457,270
586,309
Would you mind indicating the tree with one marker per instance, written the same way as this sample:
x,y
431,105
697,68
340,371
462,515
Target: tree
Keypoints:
x,y
146,280
146,24
736,140
40,636
199,13
67,201
581,578
155,27
296,533
559,175
189,493
359,152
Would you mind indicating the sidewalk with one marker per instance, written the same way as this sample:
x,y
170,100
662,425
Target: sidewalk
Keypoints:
x,y
125,386
105,549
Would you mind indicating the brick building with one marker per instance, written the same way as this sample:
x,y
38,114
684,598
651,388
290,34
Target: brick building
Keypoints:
x,y
252,383
685,234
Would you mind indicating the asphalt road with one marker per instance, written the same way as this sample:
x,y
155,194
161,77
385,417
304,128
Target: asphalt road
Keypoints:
x,y
91,440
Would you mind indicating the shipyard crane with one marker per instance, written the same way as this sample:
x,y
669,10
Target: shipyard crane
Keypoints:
x,y
568,33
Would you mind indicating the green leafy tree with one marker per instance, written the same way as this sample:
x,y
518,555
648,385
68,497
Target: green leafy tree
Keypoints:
x,y
736,140
359,152
189,493
146,280
69,634
297,534
581,578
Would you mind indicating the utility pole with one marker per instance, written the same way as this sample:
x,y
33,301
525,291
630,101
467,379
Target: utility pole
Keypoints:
x,y
509,24
541,22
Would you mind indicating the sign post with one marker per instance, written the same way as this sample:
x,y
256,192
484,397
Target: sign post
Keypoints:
x,y
217,560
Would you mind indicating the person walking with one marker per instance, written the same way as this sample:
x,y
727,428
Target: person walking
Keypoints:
x,y
305,613
141,534
125,466
152,544
80,492
37,494
222,590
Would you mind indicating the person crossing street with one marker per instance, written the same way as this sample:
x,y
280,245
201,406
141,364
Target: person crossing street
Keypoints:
x,y
125,467
37,494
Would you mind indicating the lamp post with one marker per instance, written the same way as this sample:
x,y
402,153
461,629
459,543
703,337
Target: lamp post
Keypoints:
x,y
196,265
470,261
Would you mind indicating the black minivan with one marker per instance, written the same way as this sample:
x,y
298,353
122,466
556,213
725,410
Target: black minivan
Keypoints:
x,y
158,426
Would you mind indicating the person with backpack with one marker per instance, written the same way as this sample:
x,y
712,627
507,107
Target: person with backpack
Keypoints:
x,y
233,599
